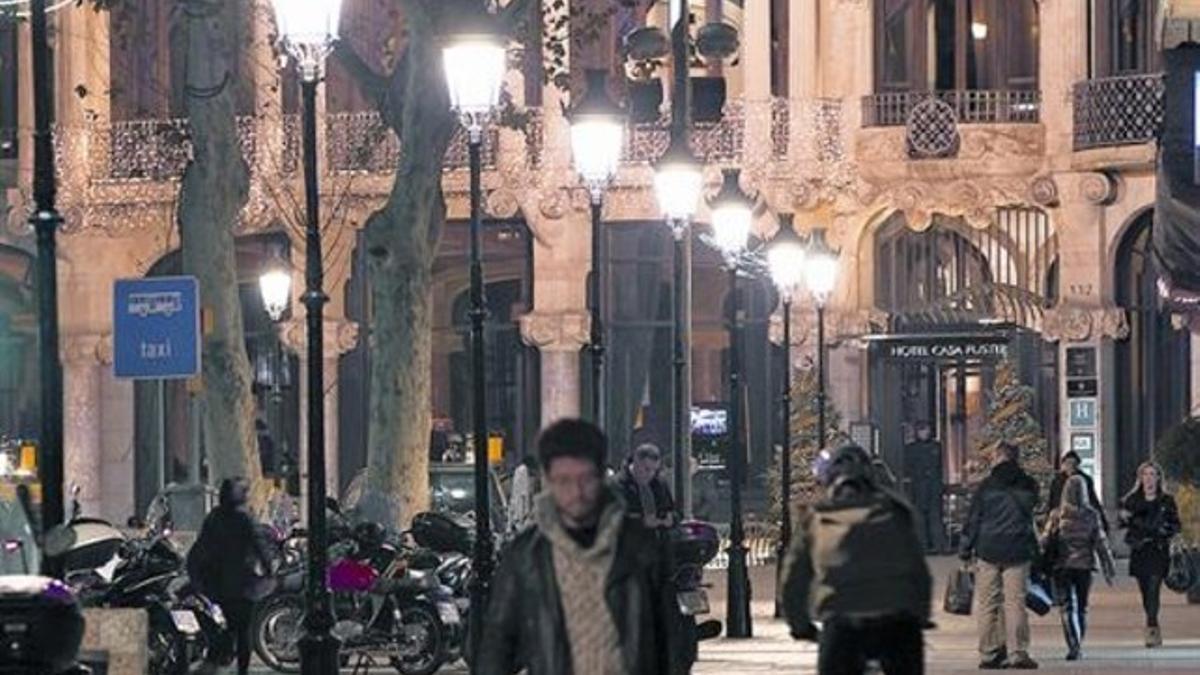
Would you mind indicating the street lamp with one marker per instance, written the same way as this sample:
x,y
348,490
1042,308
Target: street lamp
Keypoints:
x,y
732,216
785,260
820,275
597,135
308,30
45,221
475,63
275,287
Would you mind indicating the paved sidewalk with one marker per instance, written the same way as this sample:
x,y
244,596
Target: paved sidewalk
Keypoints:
x,y
1114,641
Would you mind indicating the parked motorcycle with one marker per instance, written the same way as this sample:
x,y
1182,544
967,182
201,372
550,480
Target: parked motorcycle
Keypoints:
x,y
693,545
41,627
384,610
107,569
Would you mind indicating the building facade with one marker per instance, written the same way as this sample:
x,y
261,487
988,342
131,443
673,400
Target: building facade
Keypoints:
x,y
986,169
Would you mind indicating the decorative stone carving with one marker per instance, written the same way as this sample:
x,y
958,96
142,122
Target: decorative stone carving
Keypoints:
x,y
340,337
932,130
1080,323
553,204
566,331
973,200
1043,191
503,203
84,350
1099,188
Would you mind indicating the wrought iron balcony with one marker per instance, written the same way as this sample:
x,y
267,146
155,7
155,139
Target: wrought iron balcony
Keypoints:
x,y
894,109
1113,111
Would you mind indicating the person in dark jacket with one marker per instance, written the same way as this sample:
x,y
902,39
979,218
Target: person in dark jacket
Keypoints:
x,y
872,606
1151,520
647,497
923,474
1074,538
223,563
1069,466
1000,533
585,590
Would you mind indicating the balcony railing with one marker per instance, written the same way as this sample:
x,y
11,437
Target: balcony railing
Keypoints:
x,y
711,141
151,150
1124,110
361,142
894,109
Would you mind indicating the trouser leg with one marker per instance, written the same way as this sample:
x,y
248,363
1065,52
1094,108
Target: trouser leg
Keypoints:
x,y
1015,581
989,608
1083,589
1150,587
841,650
903,649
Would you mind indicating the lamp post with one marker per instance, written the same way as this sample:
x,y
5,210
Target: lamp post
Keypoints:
x,y
475,63
732,215
785,260
597,134
308,29
45,221
275,288
820,275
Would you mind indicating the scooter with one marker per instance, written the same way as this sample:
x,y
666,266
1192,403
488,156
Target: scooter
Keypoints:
x,y
693,545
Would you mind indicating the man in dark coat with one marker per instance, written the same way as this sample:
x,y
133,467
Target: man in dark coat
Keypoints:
x,y
1069,466
647,497
586,590
872,606
223,561
923,470
1000,534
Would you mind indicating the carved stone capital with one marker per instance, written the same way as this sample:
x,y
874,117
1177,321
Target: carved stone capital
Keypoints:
x,y
86,350
1043,191
1080,323
340,336
1099,188
566,331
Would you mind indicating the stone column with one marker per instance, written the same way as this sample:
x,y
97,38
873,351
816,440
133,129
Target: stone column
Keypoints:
x,y
802,48
82,461
559,339
756,50
340,337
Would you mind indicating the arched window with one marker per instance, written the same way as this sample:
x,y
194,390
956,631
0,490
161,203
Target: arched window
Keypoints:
x,y
956,45
1153,364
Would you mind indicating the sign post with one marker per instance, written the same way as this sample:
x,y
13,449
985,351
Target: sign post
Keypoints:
x,y
156,328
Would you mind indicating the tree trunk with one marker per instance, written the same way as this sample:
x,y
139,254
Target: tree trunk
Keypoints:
x,y
214,189
401,246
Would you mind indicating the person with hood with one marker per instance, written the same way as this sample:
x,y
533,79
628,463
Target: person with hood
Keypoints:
x,y
872,606
223,563
585,590
647,497
1069,466
1151,519
1000,533
1074,538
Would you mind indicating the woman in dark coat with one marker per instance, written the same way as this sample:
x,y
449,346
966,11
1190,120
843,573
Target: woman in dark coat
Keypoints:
x,y
222,563
1069,466
1073,540
1151,520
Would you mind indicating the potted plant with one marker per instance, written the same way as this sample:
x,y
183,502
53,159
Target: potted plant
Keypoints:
x,y
1178,451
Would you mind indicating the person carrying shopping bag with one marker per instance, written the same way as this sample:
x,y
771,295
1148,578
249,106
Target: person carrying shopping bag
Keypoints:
x,y
1151,520
1073,539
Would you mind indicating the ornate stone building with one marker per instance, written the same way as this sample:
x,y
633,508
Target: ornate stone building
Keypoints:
x,y
985,168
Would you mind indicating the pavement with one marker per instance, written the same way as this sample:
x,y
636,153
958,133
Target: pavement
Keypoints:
x,y
1114,642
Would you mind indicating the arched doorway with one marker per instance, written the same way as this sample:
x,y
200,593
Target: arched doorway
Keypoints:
x,y
169,441
1153,365
959,299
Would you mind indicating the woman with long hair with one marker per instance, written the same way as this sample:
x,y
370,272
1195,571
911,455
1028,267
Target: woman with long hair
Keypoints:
x,y
1073,539
1151,520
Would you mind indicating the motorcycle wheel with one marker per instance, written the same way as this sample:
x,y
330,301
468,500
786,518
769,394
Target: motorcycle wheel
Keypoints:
x,y
420,640
168,652
275,631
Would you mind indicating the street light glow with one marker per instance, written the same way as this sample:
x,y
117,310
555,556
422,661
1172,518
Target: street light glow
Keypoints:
x,y
732,214
597,135
820,267
475,64
677,181
275,286
786,257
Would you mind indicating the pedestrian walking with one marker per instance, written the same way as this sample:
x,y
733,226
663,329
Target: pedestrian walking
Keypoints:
x,y
872,606
1072,542
228,561
1000,534
585,590
1069,466
923,471
1150,519
526,484
647,496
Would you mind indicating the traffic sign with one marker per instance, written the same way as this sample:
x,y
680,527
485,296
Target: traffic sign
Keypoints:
x,y
156,328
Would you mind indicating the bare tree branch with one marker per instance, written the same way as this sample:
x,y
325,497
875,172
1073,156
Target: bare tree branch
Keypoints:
x,y
372,83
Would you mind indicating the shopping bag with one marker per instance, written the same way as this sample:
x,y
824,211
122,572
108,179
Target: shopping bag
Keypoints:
x,y
1037,595
960,591
1181,575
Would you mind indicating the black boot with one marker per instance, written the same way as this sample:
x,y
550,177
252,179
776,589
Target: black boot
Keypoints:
x,y
1070,633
